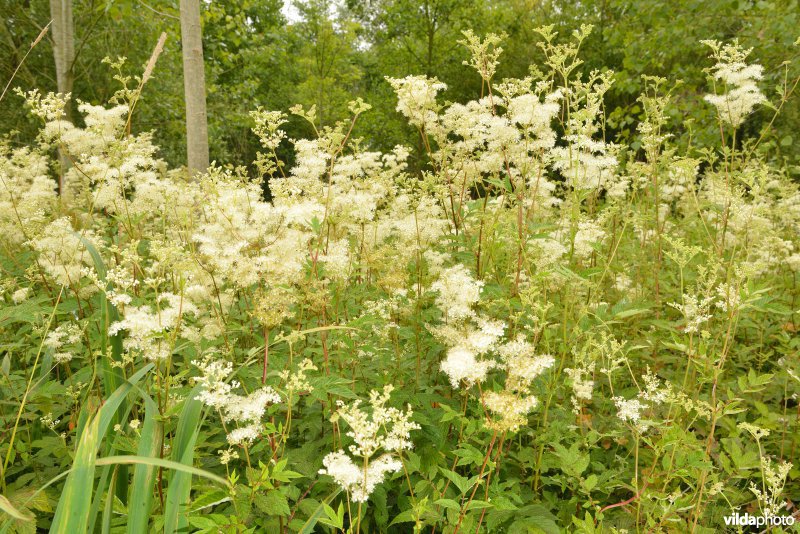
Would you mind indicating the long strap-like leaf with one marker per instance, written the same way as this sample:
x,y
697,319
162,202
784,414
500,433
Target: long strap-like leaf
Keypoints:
x,y
183,452
72,513
144,475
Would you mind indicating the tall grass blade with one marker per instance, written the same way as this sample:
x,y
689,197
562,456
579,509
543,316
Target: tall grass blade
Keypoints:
x,y
183,452
72,513
144,475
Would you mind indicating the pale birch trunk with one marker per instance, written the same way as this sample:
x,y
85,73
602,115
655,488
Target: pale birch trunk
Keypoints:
x,y
64,55
194,87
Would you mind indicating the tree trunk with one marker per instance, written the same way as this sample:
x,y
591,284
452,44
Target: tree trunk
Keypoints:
x,y
194,86
64,55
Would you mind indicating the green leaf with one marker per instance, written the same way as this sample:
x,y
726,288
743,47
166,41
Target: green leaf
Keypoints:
x,y
72,513
7,507
572,461
160,462
406,516
449,504
273,503
144,475
314,518
462,483
180,484
479,505
534,518
630,313
335,519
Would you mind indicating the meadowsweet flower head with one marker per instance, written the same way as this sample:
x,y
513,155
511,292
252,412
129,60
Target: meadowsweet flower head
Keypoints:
x,y
756,431
267,127
298,381
62,253
273,305
653,391
358,481
457,292
244,408
582,385
416,98
695,310
462,366
588,234
245,411
729,297
769,495
20,295
227,455
484,53
146,327
48,421
244,434
47,107
509,409
380,428
738,78
536,116
630,411
64,334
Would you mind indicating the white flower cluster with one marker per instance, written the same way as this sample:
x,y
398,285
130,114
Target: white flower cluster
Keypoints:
x,y
416,98
27,195
245,411
769,496
468,343
298,381
358,480
61,253
476,350
67,334
146,327
739,81
695,310
630,411
522,366
20,295
582,385
381,428
457,292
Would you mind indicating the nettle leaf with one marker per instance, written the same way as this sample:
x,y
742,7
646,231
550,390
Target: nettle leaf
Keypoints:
x,y
533,519
331,385
571,461
406,516
448,503
273,502
462,483
334,519
469,455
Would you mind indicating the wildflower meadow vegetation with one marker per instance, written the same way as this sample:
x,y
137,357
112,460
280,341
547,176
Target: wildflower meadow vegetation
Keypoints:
x,y
539,329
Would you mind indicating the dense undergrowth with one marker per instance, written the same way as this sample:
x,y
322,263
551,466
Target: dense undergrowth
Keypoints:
x,y
545,331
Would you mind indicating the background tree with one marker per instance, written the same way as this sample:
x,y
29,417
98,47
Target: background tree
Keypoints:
x,y
63,38
194,83
253,56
